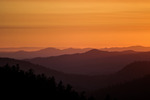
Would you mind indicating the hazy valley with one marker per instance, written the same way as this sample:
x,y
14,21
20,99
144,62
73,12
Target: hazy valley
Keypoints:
x,y
93,71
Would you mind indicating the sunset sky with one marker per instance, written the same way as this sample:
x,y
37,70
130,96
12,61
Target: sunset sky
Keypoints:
x,y
74,23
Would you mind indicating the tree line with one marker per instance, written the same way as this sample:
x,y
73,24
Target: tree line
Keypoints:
x,y
18,84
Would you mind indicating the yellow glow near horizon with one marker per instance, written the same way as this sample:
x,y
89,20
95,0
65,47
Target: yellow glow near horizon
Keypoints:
x,y
74,23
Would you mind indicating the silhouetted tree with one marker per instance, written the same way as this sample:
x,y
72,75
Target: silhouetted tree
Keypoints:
x,y
27,85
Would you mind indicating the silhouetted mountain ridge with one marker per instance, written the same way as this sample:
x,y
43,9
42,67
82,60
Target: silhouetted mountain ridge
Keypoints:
x,y
41,53
138,89
95,51
77,81
92,62
130,72
138,66
48,49
134,48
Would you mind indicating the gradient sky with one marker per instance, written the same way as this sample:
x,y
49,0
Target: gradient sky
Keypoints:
x,y
74,23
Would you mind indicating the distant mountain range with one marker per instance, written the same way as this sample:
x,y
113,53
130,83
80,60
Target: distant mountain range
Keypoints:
x,y
15,49
32,52
134,48
124,75
93,62
41,53
75,61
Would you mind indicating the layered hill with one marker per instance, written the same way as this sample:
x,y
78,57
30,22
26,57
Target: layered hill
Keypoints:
x,y
93,62
41,53
130,72
138,89
134,48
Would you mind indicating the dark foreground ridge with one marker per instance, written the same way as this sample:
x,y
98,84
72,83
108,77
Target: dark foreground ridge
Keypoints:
x,y
18,84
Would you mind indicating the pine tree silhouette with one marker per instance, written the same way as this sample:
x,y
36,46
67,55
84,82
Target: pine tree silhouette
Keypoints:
x,y
26,85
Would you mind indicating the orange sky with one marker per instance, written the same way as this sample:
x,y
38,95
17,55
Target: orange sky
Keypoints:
x,y
74,23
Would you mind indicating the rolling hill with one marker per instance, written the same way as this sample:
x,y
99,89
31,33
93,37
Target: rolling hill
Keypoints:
x,y
41,53
130,72
138,89
77,81
93,62
134,48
